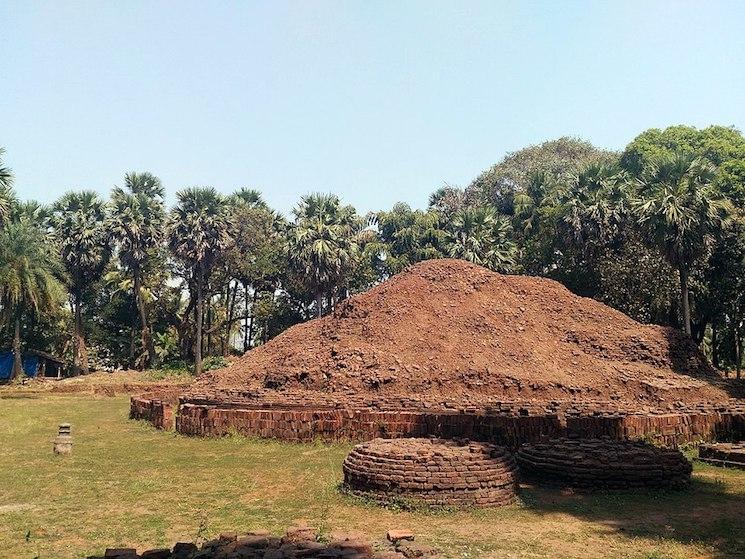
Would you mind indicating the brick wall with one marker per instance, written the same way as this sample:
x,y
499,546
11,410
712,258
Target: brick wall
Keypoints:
x,y
157,412
302,425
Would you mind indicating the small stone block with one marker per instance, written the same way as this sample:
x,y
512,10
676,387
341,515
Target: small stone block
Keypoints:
x,y
398,535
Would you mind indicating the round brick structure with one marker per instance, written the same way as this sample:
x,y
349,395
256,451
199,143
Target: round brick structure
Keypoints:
x,y
439,472
604,464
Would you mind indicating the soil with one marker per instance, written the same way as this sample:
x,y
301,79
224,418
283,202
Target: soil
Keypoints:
x,y
450,330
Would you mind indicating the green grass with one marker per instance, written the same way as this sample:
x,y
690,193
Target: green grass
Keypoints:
x,y
127,484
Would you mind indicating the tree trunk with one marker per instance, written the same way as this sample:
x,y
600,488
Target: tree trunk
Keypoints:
x,y
738,348
685,300
17,357
199,311
253,318
714,350
266,322
231,313
319,303
147,339
132,346
80,352
209,326
245,317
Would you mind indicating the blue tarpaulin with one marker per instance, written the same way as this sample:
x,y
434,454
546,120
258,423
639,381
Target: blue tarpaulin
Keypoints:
x,y
30,365
6,365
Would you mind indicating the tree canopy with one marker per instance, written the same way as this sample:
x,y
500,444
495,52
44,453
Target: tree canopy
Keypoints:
x,y
655,231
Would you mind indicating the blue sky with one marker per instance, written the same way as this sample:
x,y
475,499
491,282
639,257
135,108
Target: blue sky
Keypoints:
x,y
377,101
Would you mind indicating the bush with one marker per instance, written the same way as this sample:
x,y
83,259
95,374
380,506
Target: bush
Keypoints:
x,y
174,369
214,362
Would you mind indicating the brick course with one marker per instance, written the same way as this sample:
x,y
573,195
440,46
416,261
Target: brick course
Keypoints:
x,y
507,425
604,463
432,471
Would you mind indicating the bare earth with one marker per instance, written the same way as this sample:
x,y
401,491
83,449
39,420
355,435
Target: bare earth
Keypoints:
x,y
450,329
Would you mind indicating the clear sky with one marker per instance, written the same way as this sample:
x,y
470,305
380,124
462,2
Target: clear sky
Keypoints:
x,y
377,101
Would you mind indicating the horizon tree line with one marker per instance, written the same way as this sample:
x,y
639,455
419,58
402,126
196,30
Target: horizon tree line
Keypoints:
x,y
656,231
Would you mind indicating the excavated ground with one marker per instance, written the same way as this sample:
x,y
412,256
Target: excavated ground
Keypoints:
x,y
447,332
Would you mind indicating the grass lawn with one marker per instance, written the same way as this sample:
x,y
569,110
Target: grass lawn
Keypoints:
x,y
129,484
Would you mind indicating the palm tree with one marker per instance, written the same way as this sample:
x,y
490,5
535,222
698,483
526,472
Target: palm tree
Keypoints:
x,y
7,203
198,236
680,209
321,244
29,281
6,175
7,196
592,204
136,222
247,197
540,192
79,229
481,236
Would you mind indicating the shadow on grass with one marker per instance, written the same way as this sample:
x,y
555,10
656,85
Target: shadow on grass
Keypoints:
x,y
707,514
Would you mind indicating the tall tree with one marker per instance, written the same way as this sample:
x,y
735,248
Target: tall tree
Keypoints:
x,y
198,236
79,228
136,222
321,244
29,284
481,236
680,210
258,257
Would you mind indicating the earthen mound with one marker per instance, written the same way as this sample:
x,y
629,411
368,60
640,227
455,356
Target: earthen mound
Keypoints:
x,y
448,329
438,472
604,464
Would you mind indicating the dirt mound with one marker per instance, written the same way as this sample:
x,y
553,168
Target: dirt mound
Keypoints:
x,y
447,329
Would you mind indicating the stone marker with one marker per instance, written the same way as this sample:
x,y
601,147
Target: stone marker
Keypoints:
x,y
63,441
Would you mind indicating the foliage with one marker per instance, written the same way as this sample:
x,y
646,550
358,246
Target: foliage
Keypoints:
x,y
29,272
166,346
78,225
136,222
681,211
29,279
513,174
481,236
322,245
409,236
198,236
716,144
633,278
655,231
